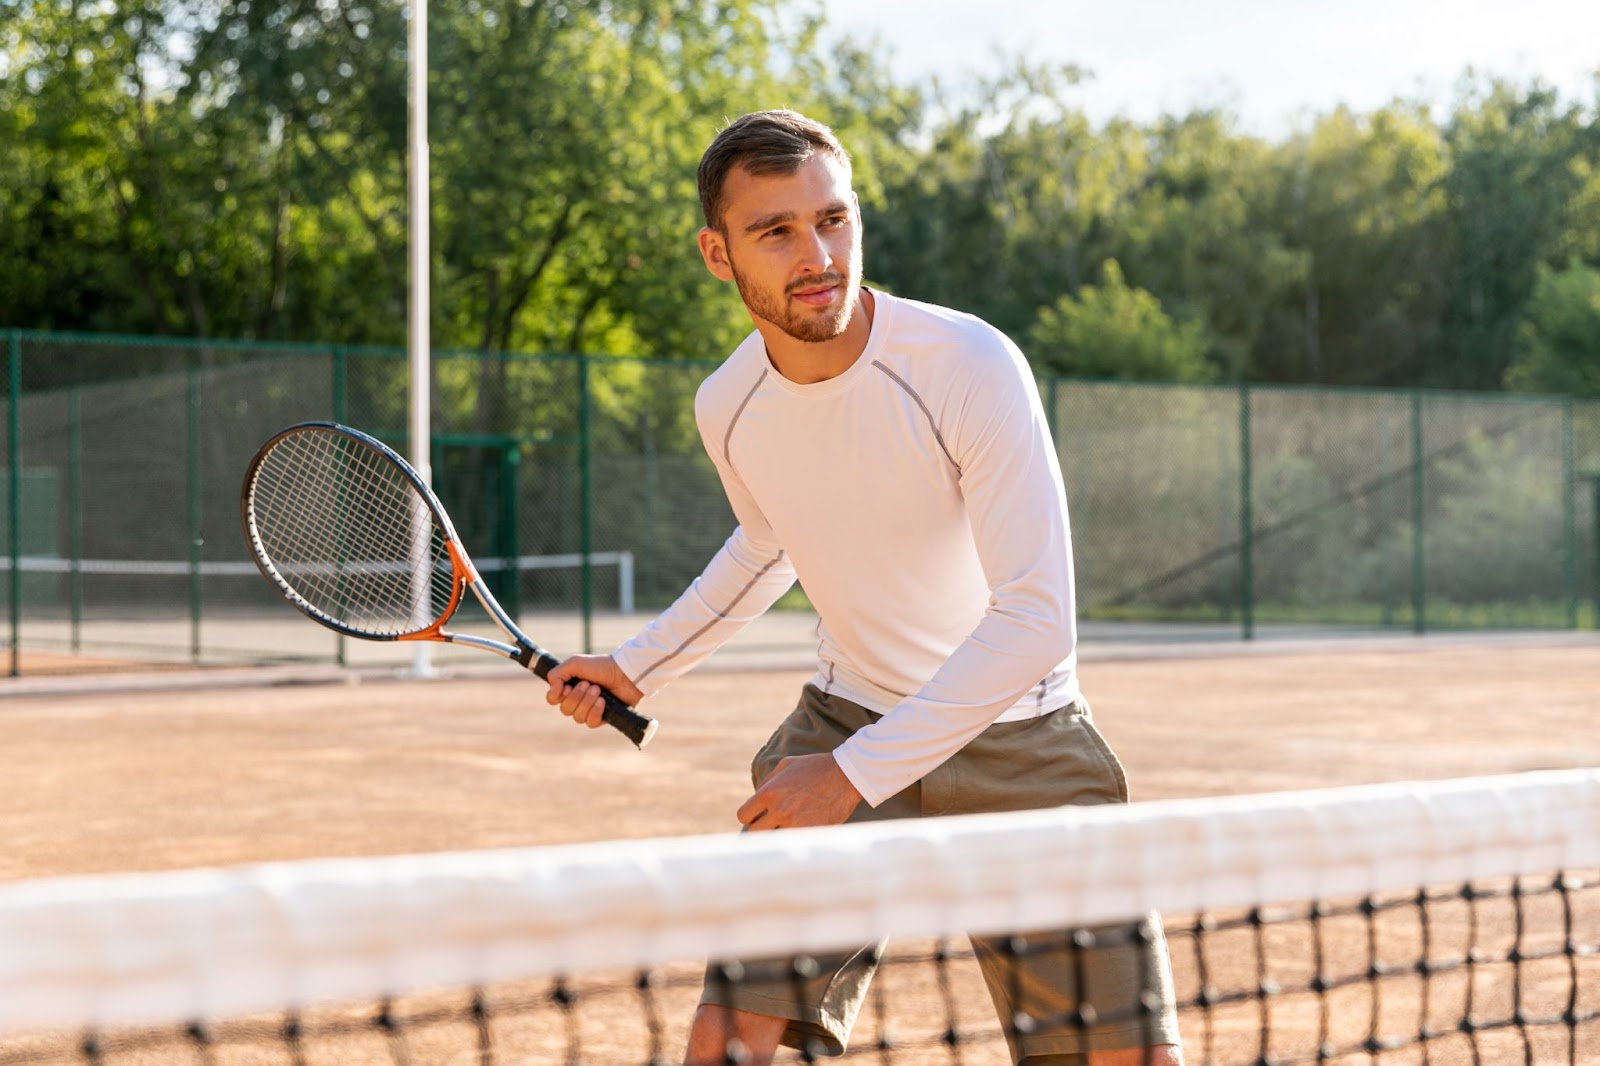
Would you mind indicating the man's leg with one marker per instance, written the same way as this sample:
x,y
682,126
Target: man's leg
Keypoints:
x,y
1161,1055
765,1003
1121,972
1119,976
720,1035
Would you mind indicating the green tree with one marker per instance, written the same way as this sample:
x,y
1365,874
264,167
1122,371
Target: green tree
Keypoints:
x,y
1194,229
165,200
995,215
1113,331
237,169
1019,197
1516,172
92,225
1558,339
1358,199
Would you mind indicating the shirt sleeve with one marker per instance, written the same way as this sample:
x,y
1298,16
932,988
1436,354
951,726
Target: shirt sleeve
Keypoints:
x,y
747,576
1016,504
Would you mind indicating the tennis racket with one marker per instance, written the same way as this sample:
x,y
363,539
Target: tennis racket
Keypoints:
x,y
353,537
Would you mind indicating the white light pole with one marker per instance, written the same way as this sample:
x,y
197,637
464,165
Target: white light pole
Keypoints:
x,y
418,334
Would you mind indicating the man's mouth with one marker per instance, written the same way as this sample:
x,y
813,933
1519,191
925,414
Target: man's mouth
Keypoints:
x,y
820,295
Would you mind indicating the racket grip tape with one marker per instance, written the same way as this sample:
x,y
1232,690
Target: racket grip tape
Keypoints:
x,y
624,719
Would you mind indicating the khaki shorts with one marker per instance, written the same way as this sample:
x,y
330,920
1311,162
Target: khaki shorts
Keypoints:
x,y
1053,760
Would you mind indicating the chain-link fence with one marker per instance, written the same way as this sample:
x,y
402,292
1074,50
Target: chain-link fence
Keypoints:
x,y
1331,507
579,485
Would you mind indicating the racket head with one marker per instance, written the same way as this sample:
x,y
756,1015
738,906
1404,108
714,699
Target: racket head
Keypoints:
x,y
350,534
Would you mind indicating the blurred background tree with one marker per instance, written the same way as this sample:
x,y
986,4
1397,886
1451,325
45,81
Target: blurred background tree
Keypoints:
x,y
236,168
1112,331
1557,345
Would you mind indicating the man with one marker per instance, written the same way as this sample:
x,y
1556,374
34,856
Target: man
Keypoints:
x,y
894,457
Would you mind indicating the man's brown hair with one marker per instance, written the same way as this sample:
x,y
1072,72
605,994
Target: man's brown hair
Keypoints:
x,y
764,143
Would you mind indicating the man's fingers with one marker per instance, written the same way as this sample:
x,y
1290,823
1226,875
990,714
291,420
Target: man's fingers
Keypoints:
x,y
579,684
574,704
751,810
584,704
563,695
557,680
569,697
803,790
594,705
756,812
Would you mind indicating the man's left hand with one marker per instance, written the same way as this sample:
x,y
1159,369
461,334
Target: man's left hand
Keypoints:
x,y
805,790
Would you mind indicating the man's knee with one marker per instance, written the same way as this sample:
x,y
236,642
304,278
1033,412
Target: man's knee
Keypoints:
x,y
722,1036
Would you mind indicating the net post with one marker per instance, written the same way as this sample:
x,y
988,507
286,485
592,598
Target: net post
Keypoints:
x,y
585,505
14,491
1419,604
340,388
193,479
508,534
75,515
1594,578
648,511
1247,522
1569,512
625,582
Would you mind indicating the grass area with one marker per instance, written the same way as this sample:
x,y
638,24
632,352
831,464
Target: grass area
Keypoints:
x,y
1437,614
793,600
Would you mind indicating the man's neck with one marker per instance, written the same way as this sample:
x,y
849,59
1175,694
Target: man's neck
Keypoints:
x,y
806,362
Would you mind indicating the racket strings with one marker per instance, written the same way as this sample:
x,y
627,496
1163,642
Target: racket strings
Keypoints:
x,y
349,534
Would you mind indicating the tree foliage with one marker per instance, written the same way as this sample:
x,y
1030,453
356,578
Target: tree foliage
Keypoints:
x,y
237,168
1558,340
1116,332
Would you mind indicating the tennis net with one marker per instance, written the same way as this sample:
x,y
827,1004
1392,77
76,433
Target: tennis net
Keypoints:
x,y
1424,922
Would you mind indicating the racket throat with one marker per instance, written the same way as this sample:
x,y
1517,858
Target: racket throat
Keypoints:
x,y
536,659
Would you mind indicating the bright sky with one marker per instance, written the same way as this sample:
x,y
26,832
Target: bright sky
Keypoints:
x,y
1274,63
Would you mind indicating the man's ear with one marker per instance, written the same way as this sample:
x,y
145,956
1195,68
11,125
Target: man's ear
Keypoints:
x,y
714,250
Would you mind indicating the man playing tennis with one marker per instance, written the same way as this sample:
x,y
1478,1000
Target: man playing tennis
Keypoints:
x,y
894,457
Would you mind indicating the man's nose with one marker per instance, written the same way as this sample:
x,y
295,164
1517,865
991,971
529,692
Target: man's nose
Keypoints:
x,y
815,256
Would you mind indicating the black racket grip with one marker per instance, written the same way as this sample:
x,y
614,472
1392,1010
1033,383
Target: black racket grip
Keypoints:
x,y
624,719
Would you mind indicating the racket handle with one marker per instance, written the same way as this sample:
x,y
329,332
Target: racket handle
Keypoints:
x,y
618,715
629,722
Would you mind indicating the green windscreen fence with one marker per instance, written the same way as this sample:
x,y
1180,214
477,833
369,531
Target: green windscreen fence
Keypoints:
x,y
580,485
1330,508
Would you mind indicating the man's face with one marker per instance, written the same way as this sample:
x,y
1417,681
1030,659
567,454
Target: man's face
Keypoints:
x,y
792,243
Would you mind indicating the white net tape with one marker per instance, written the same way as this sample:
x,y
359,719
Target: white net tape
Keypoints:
x,y
163,947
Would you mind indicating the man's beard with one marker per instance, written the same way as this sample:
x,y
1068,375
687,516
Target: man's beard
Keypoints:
x,y
811,328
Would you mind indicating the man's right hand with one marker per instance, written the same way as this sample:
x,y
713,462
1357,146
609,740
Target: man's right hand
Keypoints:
x,y
575,687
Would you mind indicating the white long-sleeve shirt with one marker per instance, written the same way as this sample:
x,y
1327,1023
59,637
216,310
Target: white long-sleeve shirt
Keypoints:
x,y
918,500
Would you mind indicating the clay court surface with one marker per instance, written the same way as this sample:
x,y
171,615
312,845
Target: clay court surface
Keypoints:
x,y
101,778
108,780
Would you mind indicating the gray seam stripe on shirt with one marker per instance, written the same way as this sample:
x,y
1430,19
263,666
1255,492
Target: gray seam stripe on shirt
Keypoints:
x,y
827,681
727,438
721,615
898,380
